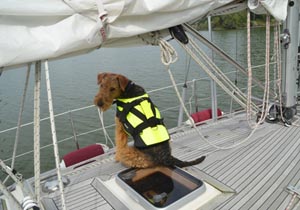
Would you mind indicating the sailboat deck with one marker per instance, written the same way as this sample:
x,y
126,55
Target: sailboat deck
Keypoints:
x,y
260,170
256,172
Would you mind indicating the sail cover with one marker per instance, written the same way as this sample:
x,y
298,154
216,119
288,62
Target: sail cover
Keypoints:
x,y
34,30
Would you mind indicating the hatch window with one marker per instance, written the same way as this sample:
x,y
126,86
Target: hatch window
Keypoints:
x,y
161,187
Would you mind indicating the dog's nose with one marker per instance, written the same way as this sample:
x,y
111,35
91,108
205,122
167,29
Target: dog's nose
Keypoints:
x,y
100,103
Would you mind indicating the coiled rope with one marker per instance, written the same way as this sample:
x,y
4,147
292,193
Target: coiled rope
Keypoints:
x,y
168,54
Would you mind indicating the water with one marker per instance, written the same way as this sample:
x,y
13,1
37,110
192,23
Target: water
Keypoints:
x,y
73,82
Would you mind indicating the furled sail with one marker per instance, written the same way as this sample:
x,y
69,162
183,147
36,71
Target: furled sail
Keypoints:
x,y
50,29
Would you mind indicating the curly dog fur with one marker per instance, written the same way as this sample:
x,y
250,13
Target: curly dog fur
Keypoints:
x,y
113,86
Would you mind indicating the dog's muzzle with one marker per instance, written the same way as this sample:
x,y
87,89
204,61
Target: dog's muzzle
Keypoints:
x,y
100,103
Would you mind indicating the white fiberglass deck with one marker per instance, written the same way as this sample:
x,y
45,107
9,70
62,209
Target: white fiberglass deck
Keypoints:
x,y
254,175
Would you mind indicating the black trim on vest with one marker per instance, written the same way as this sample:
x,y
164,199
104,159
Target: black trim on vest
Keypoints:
x,y
130,107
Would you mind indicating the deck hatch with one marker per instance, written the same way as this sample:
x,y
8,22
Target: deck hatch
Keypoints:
x,y
160,187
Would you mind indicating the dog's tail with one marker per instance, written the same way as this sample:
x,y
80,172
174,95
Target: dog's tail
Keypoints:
x,y
176,162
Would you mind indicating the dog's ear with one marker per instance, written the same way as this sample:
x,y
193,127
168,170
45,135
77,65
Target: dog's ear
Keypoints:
x,y
100,77
123,81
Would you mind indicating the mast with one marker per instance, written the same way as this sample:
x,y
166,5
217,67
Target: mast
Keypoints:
x,y
290,42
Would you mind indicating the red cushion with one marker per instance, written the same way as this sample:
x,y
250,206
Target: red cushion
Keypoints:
x,y
83,154
204,115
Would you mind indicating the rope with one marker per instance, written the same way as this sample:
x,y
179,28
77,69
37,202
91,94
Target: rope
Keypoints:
x,y
186,111
167,60
249,92
275,57
106,135
54,138
193,123
297,205
168,54
267,74
291,202
36,129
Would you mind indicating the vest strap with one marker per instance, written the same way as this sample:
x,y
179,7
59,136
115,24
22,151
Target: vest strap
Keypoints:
x,y
127,107
151,122
124,107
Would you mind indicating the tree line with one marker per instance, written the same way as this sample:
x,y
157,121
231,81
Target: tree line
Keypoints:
x,y
231,21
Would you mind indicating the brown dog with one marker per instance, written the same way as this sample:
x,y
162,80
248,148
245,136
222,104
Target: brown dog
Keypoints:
x,y
139,117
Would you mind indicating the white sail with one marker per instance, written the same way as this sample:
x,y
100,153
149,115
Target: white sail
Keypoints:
x,y
46,29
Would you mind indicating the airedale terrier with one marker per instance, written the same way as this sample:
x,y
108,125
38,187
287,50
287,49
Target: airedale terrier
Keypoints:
x,y
139,117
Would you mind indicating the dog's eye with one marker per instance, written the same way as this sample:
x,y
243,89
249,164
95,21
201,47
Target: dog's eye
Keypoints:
x,y
112,89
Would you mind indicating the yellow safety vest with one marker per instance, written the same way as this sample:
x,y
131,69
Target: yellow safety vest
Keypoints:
x,y
142,120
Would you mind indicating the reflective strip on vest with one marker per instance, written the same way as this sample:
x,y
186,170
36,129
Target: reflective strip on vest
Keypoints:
x,y
142,105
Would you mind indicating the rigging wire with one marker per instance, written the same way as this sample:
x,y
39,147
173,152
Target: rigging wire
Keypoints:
x,y
187,67
220,78
19,120
20,116
193,95
184,88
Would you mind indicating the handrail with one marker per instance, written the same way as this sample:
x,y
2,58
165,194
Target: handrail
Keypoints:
x,y
206,78
90,106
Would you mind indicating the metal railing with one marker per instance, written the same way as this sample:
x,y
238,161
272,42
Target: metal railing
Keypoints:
x,y
200,102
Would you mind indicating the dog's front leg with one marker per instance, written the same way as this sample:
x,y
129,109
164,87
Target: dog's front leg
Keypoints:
x,y
128,155
121,139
